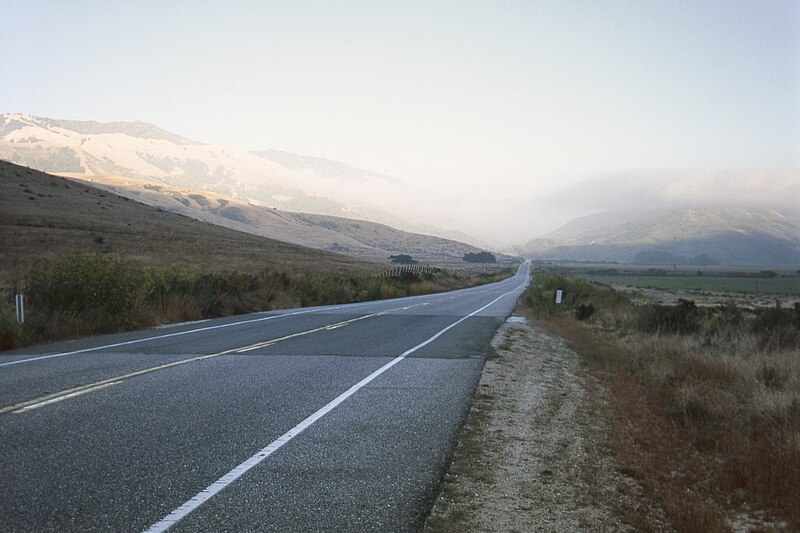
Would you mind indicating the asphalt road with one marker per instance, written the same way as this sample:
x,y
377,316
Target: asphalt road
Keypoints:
x,y
323,419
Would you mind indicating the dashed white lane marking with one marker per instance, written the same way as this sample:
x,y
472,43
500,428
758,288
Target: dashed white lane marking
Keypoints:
x,y
204,495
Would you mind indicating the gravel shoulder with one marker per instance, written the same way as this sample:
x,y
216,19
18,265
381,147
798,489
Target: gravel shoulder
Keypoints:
x,y
531,455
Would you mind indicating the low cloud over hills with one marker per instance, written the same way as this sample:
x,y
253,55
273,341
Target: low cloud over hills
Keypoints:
x,y
725,236
271,178
357,238
636,214
130,156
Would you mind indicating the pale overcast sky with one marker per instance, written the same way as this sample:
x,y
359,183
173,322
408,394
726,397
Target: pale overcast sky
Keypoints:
x,y
532,95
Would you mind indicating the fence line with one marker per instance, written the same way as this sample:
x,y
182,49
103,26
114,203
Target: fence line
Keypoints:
x,y
414,269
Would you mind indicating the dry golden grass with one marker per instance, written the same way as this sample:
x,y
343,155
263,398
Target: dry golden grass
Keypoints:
x,y
708,422
646,441
44,216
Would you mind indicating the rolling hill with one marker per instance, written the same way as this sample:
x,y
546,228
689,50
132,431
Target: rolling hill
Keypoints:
x,y
140,150
701,236
137,150
357,238
42,215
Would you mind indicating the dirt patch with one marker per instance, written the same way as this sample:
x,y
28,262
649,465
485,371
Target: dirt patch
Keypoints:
x,y
532,453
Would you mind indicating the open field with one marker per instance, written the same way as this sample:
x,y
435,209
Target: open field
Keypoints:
x,y
747,285
626,270
706,286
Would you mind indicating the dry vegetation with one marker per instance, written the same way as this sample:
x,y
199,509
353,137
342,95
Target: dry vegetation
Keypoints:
x,y
44,216
79,295
705,402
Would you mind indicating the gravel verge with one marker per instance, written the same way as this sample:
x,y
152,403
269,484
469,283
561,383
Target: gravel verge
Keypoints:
x,y
531,456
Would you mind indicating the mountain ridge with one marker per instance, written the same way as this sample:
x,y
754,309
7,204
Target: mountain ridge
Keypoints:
x,y
357,238
142,150
728,236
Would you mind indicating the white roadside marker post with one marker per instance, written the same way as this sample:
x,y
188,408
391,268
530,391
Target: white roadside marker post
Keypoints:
x,y
20,308
559,295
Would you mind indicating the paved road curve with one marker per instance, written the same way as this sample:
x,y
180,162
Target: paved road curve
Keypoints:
x,y
332,418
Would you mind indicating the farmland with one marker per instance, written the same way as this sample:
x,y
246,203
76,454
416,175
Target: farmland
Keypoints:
x,y
708,286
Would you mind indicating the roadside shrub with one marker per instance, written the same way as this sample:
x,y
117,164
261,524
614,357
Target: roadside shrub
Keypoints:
x,y
583,312
681,318
79,283
11,332
579,296
778,327
171,281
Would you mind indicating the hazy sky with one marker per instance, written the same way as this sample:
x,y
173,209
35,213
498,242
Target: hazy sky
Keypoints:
x,y
504,100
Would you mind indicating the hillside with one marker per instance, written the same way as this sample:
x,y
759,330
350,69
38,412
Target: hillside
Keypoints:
x,y
137,150
43,215
725,236
357,238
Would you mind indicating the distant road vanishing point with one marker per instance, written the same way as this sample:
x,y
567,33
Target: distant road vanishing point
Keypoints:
x,y
330,418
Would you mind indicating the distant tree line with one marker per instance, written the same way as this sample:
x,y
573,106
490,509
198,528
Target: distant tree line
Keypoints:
x,y
659,257
403,259
480,257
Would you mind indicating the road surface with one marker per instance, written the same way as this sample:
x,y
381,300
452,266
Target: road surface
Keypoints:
x,y
331,418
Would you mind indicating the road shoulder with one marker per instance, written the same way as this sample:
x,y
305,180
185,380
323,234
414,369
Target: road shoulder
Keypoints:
x,y
531,455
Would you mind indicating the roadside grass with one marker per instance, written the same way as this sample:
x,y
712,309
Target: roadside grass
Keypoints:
x,y
705,401
78,295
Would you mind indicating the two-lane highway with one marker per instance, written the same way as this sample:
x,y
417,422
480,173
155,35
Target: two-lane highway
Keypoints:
x,y
331,418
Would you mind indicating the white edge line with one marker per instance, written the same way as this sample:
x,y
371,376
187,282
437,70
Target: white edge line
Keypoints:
x,y
204,495
166,335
